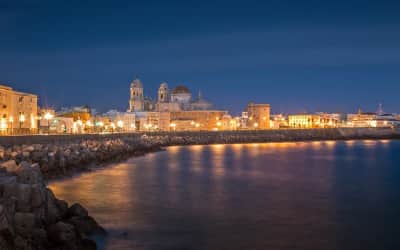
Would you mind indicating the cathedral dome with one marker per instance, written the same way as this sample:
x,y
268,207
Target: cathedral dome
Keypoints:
x,y
181,90
136,84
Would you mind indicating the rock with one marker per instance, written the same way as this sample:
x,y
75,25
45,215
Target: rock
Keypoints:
x,y
87,226
56,209
14,154
77,210
4,221
24,224
21,243
38,195
40,238
23,196
63,234
88,244
10,165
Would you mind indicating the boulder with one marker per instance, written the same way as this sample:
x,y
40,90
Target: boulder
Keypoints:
x,y
24,224
38,195
23,196
86,226
63,234
29,174
56,209
10,165
77,210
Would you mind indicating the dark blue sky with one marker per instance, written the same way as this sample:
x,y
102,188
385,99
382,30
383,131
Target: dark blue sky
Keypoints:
x,y
296,55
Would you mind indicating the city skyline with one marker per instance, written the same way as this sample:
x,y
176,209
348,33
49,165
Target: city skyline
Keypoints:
x,y
333,57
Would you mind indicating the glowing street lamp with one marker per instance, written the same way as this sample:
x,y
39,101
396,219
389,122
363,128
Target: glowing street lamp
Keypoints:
x,y
21,120
173,126
48,117
11,120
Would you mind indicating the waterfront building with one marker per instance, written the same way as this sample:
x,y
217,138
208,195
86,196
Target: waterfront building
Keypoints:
x,y
115,121
259,116
278,121
370,119
147,121
196,120
19,111
244,120
303,120
173,110
318,120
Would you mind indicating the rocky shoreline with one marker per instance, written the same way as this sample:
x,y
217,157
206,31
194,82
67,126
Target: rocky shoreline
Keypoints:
x,y
31,217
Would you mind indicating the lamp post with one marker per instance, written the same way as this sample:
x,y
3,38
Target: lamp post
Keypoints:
x,y
120,125
48,117
11,120
21,121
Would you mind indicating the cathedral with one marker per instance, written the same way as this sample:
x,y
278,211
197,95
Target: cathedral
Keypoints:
x,y
175,100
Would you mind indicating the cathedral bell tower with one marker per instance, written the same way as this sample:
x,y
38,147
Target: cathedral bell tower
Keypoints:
x,y
136,103
163,93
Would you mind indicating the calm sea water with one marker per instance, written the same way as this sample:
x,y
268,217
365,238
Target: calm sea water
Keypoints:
x,y
305,195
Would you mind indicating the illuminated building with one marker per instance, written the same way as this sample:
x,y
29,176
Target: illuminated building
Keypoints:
x,y
198,120
318,120
370,119
258,116
123,121
278,121
174,110
18,111
136,102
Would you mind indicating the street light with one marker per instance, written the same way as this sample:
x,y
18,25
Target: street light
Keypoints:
x,y
21,120
11,119
256,125
173,126
48,117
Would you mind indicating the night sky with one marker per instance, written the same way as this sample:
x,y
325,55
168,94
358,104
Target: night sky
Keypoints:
x,y
334,56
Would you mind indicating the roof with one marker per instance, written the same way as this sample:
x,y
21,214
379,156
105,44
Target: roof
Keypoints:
x,y
136,83
181,90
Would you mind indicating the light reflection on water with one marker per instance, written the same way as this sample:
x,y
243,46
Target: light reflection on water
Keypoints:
x,y
300,195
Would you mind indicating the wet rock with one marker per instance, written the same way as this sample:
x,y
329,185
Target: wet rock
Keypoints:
x,y
63,234
11,166
77,210
24,224
86,226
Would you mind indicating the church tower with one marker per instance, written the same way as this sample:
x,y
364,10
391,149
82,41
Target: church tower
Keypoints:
x,y
136,103
163,93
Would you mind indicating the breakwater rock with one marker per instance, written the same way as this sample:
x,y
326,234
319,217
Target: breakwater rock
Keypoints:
x,y
31,217
63,158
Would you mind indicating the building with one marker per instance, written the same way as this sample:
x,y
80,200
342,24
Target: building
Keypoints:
x,y
196,120
136,102
370,119
177,99
115,121
303,121
318,120
258,116
278,121
19,111
173,110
